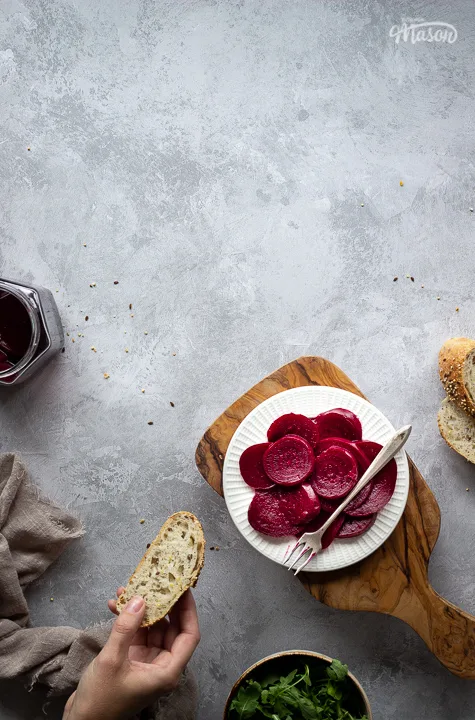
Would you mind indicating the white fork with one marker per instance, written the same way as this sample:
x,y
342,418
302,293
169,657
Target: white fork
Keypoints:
x,y
312,542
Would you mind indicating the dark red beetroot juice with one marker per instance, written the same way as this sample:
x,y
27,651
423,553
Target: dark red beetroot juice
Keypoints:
x,y
15,330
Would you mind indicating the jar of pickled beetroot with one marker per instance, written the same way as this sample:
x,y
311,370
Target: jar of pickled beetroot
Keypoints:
x,y
30,330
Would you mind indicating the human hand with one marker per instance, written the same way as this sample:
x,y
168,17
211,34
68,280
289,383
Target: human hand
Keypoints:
x,y
136,665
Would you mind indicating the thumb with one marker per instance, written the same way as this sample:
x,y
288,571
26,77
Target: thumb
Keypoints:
x,y
124,628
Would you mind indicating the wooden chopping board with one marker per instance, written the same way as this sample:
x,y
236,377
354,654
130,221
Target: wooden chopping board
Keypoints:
x,y
394,579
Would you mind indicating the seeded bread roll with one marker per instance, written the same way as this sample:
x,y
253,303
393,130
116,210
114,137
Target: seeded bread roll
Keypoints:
x,y
170,566
458,429
457,372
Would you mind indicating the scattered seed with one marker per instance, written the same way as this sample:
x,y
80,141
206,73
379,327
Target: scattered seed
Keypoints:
x,y
127,350
422,286
216,547
438,298
84,244
130,306
142,521
148,545
395,279
143,390
172,403
106,376
220,456
456,309
131,314
73,340
67,334
471,209
93,348
401,183
173,354
212,547
51,599
362,204
116,282
63,349
150,422
57,290
86,318
28,149
93,284
145,332
412,279
467,489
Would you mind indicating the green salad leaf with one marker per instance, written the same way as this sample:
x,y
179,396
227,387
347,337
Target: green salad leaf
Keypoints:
x,y
300,695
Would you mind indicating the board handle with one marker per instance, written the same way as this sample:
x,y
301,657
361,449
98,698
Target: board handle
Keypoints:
x,y
448,631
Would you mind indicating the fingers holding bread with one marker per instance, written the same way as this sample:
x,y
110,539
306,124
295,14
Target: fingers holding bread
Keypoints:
x,y
170,566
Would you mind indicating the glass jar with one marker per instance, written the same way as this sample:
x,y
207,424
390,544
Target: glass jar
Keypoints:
x,y
30,330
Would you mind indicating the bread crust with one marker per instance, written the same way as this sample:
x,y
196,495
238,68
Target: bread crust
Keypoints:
x,y
452,357
443,434
182,514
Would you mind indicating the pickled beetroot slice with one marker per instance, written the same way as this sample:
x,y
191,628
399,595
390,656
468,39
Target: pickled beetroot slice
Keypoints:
x,y
279,512
339,423
252,469
382,485
289,461
352,527
350,445
293,424
301,503
329,506
330,534
336,473
361,460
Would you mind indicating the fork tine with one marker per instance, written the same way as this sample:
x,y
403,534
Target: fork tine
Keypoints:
x,y
304,564
288,554
304,550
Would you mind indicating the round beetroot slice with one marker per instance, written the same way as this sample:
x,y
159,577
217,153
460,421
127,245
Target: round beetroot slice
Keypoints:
x,y
289,461
280,512
382,485
361,459
329,506
293,424
339,423
252,469
352,527
336,473
301,503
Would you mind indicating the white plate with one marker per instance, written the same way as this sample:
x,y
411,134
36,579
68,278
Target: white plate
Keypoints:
x,y
310,401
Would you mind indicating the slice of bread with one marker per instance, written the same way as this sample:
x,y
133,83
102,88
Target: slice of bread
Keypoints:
x,y
170,566
457,428
457,372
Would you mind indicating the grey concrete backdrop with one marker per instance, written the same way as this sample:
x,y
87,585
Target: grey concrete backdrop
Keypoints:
x,y
236,167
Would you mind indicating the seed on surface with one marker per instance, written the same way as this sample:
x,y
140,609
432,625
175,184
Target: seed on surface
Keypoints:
x,y
438,297
395,279
93,284
150,422
93,348
412,279
86,318
51,599
362,204
456,309
130,306
401,183
106,376
84,244
116,282
172,403
145,332
127,350
131,314
143,390
73,340
142,521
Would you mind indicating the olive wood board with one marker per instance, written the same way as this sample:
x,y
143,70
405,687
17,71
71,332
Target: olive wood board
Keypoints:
x,y
394,579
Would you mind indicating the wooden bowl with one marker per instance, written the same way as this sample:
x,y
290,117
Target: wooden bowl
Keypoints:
x,y
283,663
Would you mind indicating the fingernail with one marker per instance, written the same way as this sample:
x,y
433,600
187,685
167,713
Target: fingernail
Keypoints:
x,y
135,605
